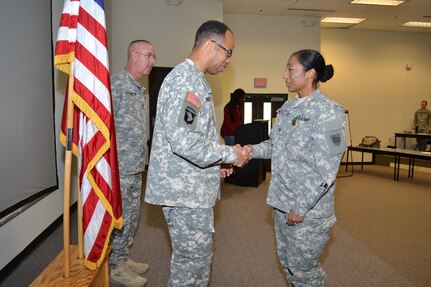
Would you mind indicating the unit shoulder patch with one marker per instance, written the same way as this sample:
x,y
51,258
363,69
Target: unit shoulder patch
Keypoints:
x,y
334,134
189,111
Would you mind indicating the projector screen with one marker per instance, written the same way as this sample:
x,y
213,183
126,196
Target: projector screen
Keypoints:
x,y
27,154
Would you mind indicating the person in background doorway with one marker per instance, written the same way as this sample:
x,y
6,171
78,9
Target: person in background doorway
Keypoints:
x,y
422,124
232,117
130,115
186,156
306,145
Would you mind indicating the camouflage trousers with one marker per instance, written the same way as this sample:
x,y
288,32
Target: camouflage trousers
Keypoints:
x,y
299,248
191,231
121,240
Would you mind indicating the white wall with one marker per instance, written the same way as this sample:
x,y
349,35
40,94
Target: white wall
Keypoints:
x,y
371,80
171,29
263,45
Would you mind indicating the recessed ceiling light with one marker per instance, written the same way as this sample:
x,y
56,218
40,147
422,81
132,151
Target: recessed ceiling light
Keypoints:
x,y
417,24
379,2
343,20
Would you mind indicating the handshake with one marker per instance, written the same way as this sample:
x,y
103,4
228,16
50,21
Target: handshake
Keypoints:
x,y
243,155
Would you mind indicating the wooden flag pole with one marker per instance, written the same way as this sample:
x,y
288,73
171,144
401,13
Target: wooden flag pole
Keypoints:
x,y
80,235
67,175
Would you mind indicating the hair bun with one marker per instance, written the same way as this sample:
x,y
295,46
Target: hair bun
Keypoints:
x,y
327,74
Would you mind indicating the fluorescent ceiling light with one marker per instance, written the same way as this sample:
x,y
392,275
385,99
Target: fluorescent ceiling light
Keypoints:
x,y
343,20
173,2
417,24
379,2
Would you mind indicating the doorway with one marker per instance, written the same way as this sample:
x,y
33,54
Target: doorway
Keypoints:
x,y
262,107
155,80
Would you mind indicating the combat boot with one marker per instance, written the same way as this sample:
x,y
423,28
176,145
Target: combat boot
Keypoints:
x,y
137,267
120,274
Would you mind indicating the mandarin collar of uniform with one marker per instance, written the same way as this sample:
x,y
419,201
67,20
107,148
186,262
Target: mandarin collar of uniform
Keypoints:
x,y
204,82
310,97
190,62
137,83
295,102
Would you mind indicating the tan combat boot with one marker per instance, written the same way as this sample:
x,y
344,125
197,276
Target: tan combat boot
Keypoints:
x,y
137,267
120,274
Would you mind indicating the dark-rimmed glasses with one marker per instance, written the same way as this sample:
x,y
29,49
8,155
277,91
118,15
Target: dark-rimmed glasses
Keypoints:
x,y
148,55
228,51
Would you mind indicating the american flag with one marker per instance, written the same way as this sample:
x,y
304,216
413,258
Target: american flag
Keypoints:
x,y
81,52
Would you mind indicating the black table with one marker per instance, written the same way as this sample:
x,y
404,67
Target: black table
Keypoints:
x,y
396,153
405,135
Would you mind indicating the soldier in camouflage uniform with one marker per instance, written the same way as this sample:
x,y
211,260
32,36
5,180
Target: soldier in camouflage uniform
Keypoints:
x,y
130,115
184,170
422,124
305,146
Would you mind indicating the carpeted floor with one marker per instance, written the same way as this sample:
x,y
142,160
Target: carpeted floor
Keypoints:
x,y
382,237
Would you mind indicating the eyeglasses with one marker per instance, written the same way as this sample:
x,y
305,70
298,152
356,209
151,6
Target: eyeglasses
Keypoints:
x,y
148,55
228,51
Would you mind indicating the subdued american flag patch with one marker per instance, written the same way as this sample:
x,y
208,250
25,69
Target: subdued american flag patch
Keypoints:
x,y
194,99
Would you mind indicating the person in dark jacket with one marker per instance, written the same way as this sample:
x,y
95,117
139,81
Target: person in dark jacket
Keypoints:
x,y
232,117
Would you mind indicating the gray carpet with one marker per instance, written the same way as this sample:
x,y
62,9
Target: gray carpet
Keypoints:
x,y
382,237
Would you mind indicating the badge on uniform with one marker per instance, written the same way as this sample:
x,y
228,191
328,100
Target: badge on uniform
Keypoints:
x,y
336,139
334,133
194,99
189,111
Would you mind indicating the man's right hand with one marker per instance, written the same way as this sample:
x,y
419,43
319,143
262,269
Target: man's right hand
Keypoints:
x,y
244,155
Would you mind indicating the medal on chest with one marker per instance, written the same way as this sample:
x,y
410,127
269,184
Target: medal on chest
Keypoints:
x,y
295,117
298,114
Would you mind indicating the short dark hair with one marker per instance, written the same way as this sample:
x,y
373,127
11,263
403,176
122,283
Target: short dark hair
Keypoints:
x,y
312,59
132,44
426,103
209,30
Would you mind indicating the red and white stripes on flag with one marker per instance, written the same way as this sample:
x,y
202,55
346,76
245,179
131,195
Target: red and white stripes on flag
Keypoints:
x,y
81,52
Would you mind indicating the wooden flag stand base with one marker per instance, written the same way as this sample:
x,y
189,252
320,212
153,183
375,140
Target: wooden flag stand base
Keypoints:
x,y
53,275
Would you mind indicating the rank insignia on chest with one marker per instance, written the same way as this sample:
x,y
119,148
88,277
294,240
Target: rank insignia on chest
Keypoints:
x,y
194,99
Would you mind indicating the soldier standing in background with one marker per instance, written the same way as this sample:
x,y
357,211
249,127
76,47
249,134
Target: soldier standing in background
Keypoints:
x,y
184,170
130,115
422,124
305,146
